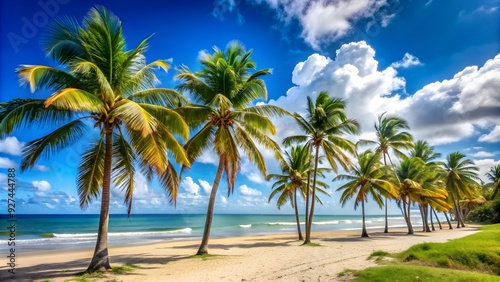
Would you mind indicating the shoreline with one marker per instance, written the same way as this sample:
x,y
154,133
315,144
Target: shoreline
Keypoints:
x,y
251,258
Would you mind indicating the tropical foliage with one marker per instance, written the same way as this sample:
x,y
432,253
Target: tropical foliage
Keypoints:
x,y
101,87
324,127
224,90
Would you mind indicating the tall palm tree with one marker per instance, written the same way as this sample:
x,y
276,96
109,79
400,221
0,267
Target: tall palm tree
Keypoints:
x,y
225,88
493,175
390,137
324,128
101,83
460,178
367,178
293,180
422,149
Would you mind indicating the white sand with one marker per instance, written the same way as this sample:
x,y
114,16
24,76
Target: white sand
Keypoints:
x,y
263,258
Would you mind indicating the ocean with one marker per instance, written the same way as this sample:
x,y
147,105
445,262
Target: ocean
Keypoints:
x,y
48,232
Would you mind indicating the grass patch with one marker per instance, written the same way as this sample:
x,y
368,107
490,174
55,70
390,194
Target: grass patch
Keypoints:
x,y
472,258
419,273
88,277
206,256
478,252
310,244
123,269
378,254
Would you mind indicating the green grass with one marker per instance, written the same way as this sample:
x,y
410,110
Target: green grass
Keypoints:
x,y
123,269
472,258
312,245
206,256
479,252
409,273
87,277
378,254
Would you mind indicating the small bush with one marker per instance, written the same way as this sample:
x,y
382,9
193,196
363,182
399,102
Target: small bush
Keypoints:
x,y
489,212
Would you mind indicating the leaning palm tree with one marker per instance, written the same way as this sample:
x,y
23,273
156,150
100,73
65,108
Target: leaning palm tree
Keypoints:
x,y
494,176
224,89
293,180
324,128
460,178
369,177
110,88
390,137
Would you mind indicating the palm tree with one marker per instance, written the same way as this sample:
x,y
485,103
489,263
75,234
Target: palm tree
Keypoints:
x,y
422,149
367,178
390,137
494,176
411,175
293,180
324,128
460,178
100,83
225,87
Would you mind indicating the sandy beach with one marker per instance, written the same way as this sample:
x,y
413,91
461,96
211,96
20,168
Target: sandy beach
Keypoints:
x,y
260,258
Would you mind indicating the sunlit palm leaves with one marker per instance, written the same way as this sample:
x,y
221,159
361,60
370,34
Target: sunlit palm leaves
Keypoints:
x,y
102,84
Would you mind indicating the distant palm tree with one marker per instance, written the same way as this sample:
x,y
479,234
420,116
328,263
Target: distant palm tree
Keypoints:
x,y
412,174
226,88
324,128
295,171
367,178
390,137
494,176
460,178
422,149
100,83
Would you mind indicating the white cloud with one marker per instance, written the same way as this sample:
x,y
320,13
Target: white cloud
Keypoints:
x,y
42,185
484,166
190,186
492,137
208,157
41,168
202,54
7,163
207,188
482,154
11,146
326,21
441,112
223,199
249,192
49,206
407,61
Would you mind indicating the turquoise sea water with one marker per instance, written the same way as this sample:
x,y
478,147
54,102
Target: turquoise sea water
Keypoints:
x,y
46,232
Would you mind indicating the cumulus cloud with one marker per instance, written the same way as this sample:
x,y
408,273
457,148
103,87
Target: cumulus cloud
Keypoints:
x,y
407,61
484,166
11,146
326,21
42,168
7,163
440,112
207,188
41,185
190,186
249,192
482,154
492,137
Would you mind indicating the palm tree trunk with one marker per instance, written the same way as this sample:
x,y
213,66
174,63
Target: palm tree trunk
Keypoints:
x,y
386,229
447,219
313,198
307,200
422,216
429,211
203,249
425,209
493,197
363,233
457,210
408,220
100,260
437,218
297,215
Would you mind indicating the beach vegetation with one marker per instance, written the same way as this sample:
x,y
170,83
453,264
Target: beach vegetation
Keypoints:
x,y
391,136
296,170
223,92
367,178
324,128
107,93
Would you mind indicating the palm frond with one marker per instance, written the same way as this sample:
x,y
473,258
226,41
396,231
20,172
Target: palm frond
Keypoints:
x,y
91,172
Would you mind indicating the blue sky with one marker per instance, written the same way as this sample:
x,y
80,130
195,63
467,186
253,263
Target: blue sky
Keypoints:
x,y
435,63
